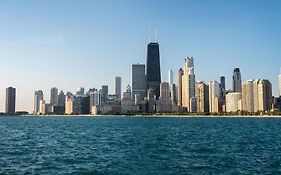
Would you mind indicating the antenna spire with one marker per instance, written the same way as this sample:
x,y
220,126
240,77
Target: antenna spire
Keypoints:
x,y
156,33
149,27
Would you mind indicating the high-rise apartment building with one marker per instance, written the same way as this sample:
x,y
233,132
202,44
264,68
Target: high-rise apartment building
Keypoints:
x,y
118,86
10,100
138,81
262,95
188,83
248,96
153,73
257,95
38,96
214,95
202,96
54,96
236,80
232,101
180,74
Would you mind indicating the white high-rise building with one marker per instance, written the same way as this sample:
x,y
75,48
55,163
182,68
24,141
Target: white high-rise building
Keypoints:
x,y
214,94
232,101
172,88
188,83
38,96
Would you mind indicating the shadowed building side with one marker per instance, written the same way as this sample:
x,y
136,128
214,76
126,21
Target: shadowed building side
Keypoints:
x,y
153,72
10,100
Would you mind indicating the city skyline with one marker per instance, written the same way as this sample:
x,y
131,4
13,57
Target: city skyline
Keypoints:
x,y
66,51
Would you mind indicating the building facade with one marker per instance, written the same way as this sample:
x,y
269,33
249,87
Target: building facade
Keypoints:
x,y
118,86
10,107
202,96
214,95
179,92
38,96
54,96
188,83
232,101
153,72
138,81
236,80
257,95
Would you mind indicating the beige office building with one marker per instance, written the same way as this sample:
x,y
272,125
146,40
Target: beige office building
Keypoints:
x,y
248,96
232,101
202,97
188,84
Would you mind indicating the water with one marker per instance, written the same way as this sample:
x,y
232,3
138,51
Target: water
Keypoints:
x,y
131,145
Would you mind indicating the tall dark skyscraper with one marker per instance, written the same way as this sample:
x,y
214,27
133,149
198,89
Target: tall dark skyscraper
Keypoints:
x,y
236,80
222,82
10,100
104,93
153,73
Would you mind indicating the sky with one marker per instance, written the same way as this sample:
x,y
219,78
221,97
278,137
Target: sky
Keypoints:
x,y
86,43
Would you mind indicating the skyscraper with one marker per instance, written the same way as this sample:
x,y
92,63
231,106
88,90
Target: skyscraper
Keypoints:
x,y
172,87
54,96
118,86
236,80
80,91
10,100
180,74
153,73
257,95
222,82
188,83
214,93
232,101
202,96
248,96
165,92
38,96
222,106
138,81
262,95
104,93
61,99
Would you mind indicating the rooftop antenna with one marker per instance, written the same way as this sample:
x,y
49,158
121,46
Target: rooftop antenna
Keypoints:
x,y
156,33
149,27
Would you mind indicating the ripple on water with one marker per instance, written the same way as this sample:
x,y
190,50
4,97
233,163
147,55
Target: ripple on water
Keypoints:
x,y
122,145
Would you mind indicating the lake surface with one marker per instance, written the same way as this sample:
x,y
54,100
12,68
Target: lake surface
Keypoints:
x,y
139,145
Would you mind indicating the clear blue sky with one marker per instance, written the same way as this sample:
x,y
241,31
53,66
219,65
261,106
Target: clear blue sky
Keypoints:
x,y
73,43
